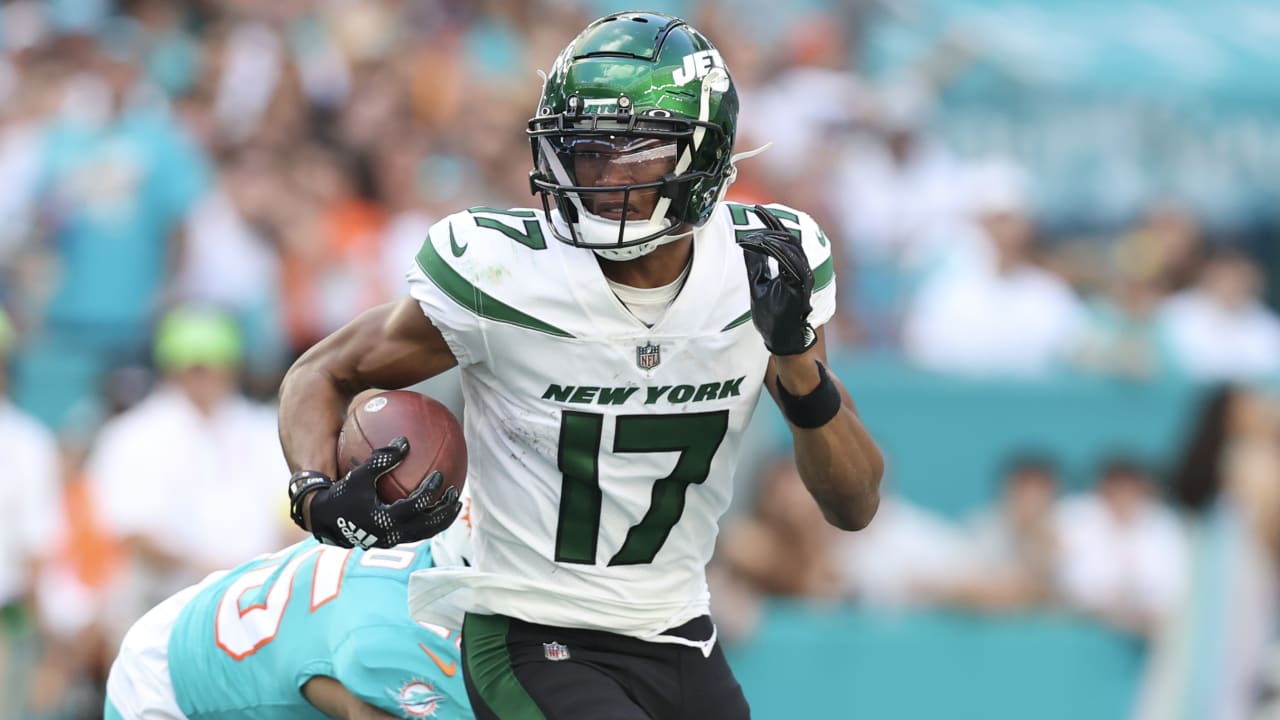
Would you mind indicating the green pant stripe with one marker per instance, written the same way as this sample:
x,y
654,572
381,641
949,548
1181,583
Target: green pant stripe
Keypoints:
x,y
109,712
489,666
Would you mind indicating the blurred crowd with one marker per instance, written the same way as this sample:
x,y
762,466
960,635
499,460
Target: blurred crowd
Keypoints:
x,y
1116,553
1182,556
193,192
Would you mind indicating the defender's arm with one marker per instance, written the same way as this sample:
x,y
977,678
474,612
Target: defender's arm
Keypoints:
x,y
333,699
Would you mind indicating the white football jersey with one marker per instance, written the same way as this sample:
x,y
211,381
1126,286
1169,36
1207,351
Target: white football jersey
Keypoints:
x,y
601,451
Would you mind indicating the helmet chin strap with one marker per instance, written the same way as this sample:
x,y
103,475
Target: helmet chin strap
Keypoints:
x,y
635,251
593,228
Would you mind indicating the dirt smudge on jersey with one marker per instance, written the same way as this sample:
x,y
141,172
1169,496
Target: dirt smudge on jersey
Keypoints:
x,y
532,430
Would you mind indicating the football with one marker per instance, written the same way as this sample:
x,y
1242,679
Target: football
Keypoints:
x,y
435,440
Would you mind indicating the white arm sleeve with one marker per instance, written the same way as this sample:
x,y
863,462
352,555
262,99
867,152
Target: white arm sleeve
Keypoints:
x,y
441,280
41,516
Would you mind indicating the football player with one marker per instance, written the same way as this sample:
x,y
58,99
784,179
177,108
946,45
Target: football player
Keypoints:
x,y
613,342
311,629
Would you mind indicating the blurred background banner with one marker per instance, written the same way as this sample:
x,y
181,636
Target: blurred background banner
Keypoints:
x,y
1111,105
1056,230
949,440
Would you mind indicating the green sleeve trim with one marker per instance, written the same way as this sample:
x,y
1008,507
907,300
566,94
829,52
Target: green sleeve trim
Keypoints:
x,y
824,274
473,298
737,321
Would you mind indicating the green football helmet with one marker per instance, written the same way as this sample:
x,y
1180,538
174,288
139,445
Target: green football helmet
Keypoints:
x,y
633,136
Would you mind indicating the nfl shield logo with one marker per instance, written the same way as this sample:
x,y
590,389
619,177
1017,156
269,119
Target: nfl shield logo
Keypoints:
x,y
555,651
648,356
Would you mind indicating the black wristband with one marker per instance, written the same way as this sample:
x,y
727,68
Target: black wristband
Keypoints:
x,y
815,409
302,484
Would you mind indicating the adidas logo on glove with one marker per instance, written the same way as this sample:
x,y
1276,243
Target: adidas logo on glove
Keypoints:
x,y
355,535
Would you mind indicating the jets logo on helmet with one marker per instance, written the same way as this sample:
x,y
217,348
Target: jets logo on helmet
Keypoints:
x,y
633,136
697,65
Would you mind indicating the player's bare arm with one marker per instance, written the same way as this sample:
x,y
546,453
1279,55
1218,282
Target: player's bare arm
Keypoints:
x,y
836,457
389,346
333,699
838,461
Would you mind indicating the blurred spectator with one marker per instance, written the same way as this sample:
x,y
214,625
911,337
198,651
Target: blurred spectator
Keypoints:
x,y
1220,329
31,495
1167,246
812,93
331,262
1253,469
83,562
1124,556
73,585
343,129
1000,314
1216,656
119,176
902,557
161,43
417,187
227,258
23,105
250,66
224,259
892,196
783,547
1123,336
185,478
1014,545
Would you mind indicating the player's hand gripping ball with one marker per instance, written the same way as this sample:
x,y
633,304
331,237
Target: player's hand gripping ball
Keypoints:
x,y
435,440
404,463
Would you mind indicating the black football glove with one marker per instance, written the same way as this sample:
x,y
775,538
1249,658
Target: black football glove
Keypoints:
x,y
779,303
350,514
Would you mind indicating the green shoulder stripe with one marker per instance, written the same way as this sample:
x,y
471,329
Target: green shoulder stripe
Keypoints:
x,y
822,277
737,321
738,213
824,274
472,297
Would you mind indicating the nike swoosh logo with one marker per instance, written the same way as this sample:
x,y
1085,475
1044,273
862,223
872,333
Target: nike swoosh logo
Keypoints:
x,y
449,669
454,246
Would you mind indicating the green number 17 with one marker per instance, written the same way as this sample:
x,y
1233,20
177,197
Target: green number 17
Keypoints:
x,y
696,436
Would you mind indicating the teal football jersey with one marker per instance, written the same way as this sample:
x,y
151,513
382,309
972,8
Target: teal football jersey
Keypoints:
x,y
252,637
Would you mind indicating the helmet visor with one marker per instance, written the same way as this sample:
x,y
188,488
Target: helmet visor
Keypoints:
x,y
617,177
